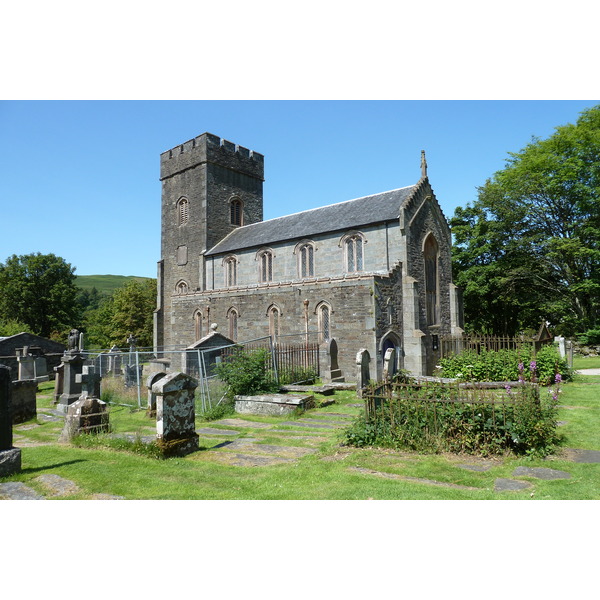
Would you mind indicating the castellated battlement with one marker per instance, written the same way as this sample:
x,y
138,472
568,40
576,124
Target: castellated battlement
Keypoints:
x,y
209,148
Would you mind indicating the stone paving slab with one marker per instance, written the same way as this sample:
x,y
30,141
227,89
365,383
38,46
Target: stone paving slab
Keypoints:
x,y
412,479
16,490
58,486
479,468
106,497
243,423
582,456
540,473
510,485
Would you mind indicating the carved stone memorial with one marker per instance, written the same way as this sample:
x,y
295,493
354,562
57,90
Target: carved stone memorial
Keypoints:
x,y
10,458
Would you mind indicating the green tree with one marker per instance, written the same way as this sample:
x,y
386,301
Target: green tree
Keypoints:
x,y
529,247
39,290
129,310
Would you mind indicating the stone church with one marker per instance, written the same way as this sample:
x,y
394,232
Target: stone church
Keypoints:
x,y
373,272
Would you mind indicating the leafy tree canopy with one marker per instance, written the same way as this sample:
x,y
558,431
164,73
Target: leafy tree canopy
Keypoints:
x,y
38,290
529,247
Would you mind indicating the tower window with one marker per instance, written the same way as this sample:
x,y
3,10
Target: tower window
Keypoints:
x,y
183,211
198,324
274,317
236,208
324,317
182,287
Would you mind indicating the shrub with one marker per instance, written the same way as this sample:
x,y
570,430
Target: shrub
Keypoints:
x,y
247,373
432,419
591,336
506,365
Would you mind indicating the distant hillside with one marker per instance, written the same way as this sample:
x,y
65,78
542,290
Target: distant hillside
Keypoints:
x,y
105,284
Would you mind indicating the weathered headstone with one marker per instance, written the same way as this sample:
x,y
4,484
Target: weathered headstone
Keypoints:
x,y
389,364
133,374
59,378
10,458
23,400
363,374
115,360
26,364
331,372
89,379
175,414
86,415
73,366
152,379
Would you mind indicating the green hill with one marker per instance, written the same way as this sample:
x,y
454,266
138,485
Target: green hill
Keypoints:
x,y
105,284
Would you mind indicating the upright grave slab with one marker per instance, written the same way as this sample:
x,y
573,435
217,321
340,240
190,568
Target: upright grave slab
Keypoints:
x,y
73,366
10,458
175,414
363,374
331,372
389,364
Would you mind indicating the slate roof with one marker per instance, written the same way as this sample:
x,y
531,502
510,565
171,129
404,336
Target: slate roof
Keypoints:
x,y
350,214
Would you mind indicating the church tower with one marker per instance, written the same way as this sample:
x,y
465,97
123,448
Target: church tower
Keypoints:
x,y
209,187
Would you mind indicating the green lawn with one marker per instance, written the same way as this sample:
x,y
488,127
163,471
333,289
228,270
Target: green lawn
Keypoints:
x,y
329,472
586,362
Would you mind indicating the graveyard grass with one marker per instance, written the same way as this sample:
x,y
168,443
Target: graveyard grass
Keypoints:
x,y
333,472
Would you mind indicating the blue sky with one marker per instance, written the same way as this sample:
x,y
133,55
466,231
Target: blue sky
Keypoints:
x,y
80,178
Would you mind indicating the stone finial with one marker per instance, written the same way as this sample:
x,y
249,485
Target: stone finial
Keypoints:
x,y
423,165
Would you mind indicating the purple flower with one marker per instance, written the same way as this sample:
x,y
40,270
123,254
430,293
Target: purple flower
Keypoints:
x,y
532,366
557,378
521,367
508,389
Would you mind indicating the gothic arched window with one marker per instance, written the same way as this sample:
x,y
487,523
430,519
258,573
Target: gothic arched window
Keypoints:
x,y
430,253
353,250
306,260
232,319
236,211
183,211
265,266
182,287
198,324
324,318
230,266
274,319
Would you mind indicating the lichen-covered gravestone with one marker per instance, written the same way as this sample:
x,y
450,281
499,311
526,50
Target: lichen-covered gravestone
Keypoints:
x,y
86,415
175,414
10,458
389,364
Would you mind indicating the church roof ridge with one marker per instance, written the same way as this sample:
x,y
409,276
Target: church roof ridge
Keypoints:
x,y
304,224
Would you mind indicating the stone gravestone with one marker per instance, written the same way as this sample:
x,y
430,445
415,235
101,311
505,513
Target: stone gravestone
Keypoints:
x,y
26,364
363,374
332,373
10,458
72,366
389,364
86,415
152,379
175,414
59,378
115,360
89,379
131,378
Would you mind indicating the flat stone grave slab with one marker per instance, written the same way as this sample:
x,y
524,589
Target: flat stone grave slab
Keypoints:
x,y
412,479
540,473
272,404
510,485
58,486
215,431
478,468
310,425
16,490
250,445
582,456
249,460
242,423
106,497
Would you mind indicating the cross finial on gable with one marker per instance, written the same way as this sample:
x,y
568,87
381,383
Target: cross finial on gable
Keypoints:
x,y
423,165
